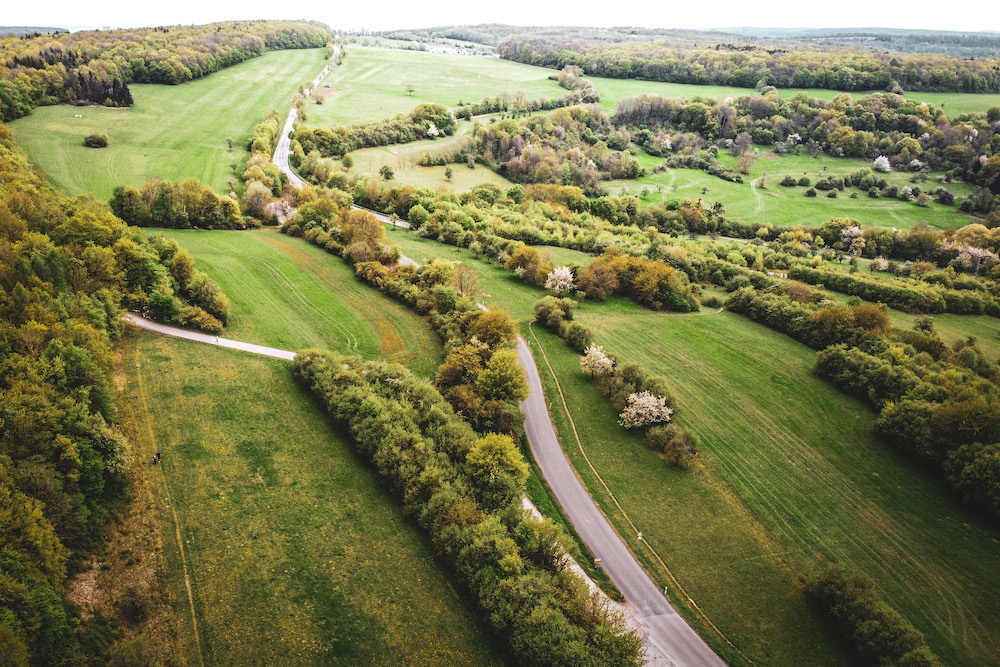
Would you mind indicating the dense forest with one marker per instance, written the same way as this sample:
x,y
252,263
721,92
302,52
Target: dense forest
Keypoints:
x,y
747,66
97,66
68,269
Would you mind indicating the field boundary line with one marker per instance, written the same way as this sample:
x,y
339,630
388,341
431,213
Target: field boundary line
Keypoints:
x,y
649,547
177,525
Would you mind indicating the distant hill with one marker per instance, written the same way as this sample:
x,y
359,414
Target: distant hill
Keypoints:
x,y
22,30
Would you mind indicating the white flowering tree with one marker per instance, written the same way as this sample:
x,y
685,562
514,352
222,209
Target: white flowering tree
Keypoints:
x,y
881,163
644,408
596,362
432,130
560,280
880,264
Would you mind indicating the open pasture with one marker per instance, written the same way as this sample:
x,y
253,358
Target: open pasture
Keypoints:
x,y
612,90
172,132
292,552
292,295
777,205
404,159
373,84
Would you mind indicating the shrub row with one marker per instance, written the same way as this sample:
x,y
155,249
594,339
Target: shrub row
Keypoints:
x,y
910,296
465,493
619,381
879,633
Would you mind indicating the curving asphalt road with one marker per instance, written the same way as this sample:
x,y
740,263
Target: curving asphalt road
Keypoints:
x,y
668,639
282,150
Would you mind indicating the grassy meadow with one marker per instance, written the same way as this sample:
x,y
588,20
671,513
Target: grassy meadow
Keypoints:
x,y
404,159
788,206
793,480
373,83
292,295
612,90
292,552
172,132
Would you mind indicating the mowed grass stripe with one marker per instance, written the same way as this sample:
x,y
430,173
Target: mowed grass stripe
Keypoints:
x,y
296,555
802,457
289,294
171,132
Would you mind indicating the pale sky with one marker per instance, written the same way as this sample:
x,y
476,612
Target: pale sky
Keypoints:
x,y
974,15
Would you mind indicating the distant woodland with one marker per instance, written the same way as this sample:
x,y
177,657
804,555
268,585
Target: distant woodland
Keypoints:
x,y
97,67
748,66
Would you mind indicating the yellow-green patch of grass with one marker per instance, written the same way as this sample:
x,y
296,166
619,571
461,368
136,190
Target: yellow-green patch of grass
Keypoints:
x,y
293,553
171,132
289,294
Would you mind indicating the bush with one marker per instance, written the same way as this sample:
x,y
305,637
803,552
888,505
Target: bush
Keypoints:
x,y
878,632
96,141
788,181
805,182
811,192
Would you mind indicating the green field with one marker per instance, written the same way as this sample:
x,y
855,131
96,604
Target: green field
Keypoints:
x,y
172,132
612,90
783,206
294,553
404,159
372,83
292,295
794,479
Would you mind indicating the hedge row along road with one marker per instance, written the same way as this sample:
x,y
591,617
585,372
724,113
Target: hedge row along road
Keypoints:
x,y
283,148
668,639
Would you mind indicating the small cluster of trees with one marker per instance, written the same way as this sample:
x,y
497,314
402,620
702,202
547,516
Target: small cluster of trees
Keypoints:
x,y
643,400
69,269
465,492
176,205
95,141
879,634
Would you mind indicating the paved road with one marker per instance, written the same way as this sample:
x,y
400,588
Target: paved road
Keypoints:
x,y
283,148
669,640
165,330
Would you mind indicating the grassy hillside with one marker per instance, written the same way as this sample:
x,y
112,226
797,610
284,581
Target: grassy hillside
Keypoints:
x,y
293,553
173,132
788,206
373,84
794,479
292,295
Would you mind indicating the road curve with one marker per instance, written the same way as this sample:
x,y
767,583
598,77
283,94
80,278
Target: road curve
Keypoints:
x,y
282,150
668,639
165,330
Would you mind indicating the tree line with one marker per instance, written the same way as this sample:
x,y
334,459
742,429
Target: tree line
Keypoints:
x,y
69,270
175,205
936,402
97,66
464,490
840,69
